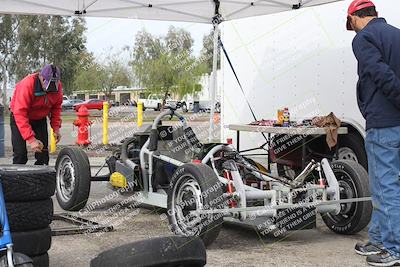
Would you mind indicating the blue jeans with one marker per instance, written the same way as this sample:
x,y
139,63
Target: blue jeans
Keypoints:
x,y
383,151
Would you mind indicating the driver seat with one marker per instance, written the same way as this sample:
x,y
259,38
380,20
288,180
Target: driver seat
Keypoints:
x,y
177,142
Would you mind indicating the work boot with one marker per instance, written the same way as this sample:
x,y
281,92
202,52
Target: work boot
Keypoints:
x,y
383,259
367,249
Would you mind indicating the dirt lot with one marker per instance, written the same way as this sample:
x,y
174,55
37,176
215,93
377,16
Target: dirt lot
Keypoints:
x,y
234,246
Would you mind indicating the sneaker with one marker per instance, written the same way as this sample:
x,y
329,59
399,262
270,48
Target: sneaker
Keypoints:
x,y
368,249
383,259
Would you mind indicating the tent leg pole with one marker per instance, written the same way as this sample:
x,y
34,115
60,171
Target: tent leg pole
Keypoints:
x,y
213,87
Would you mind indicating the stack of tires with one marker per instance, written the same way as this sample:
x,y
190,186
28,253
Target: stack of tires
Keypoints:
x,y
27,193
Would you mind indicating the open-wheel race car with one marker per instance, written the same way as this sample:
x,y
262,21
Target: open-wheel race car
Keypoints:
x,y
200,185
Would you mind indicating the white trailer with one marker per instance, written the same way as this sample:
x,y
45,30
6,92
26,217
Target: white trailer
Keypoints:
x,y
302,60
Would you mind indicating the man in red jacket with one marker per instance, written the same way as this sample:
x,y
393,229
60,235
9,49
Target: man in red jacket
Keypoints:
x,y
35,98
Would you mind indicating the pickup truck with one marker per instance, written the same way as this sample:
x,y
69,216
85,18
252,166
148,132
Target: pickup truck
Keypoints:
x,y
155,101
187,104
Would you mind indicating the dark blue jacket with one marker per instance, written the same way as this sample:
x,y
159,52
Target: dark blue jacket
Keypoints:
x,y
377,49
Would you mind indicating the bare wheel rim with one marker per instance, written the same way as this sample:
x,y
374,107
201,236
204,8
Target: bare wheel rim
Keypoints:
x,y
347,190
346,153
186,197
66,178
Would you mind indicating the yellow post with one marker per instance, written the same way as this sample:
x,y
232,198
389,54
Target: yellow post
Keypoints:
x,y
139,114
53,145
105,123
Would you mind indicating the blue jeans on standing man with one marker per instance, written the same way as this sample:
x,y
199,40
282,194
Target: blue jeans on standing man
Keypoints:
x,y
383,151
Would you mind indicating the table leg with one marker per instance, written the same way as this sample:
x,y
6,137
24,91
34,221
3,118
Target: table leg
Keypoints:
x,y
303,153
336,156
269,148
237,140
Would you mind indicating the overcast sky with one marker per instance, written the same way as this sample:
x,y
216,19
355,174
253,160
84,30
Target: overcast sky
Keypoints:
x,y
105,33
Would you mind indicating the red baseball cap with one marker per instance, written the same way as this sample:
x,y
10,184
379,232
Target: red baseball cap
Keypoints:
x,y
354,7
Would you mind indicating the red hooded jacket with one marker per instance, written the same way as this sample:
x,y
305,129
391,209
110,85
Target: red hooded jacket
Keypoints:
x,y
27,107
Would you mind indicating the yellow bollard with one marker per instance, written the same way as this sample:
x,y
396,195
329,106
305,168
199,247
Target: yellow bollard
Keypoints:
x,y
139,114
105,123
53,145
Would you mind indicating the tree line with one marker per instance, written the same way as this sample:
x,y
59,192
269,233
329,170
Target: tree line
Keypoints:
x,y
162,64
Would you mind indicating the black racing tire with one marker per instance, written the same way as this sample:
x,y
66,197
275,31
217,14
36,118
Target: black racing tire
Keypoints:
x,y
199,179
32,243
353,182
27,183
351,147
73,178
19,260
162,251
41,260
24,216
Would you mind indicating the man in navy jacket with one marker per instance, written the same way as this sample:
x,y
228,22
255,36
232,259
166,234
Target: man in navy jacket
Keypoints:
x,y
377,49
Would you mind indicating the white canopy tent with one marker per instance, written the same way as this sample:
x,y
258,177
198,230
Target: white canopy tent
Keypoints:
x,y
200,11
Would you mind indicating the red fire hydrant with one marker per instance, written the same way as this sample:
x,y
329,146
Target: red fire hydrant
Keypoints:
x,y
83,124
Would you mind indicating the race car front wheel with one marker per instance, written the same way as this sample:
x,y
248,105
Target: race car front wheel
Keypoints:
x,y
353,183
195,187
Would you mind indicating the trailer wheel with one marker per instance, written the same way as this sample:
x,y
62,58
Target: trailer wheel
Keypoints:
x,y
73,178
351,147
194,187
353,183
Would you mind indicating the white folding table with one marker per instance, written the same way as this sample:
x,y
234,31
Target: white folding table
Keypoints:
x,y
273,130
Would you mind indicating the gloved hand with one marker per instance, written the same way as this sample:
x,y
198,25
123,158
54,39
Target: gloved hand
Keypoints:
x,y
57,136
36,146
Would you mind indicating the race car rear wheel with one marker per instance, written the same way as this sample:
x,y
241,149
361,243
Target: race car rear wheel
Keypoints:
x,y
353,183
195,187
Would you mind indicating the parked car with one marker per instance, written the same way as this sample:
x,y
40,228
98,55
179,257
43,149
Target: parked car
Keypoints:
x,y
68,104
188,104
90,104
155,101
130,102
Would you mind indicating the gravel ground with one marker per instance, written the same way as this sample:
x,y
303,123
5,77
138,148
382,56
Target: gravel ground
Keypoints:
x,y
235,246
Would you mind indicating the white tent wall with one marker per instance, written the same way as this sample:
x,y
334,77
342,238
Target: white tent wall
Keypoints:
x,y
302,60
